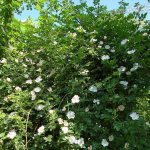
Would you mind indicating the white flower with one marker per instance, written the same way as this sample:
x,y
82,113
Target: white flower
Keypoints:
x,y
38,79
50,89
73,35
8,79
86,109
126,146
93,89
75,99
12,134
122,69
131,51
71,115
64,129
55,43
105,57
3,61
96,101
111,138
135,67
104,143
17,88
112,50
101,42
41,130
65,123
72,139
26,76
39,107
93,40
37,89
123,42
84,72
51,111
145,34
105,37
40,63
80,142
124,83
33,95
29,81
134,116
148,124
60,120
107,47
128,73
121,107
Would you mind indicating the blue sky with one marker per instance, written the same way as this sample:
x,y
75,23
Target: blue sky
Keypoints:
x,y
111,4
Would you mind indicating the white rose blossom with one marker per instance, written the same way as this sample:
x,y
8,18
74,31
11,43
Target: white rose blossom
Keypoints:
x,y
111,138
41,130
75,99
70,115
96,101
38,79
124,83
37,89
123,42
33,95
107,47
64,129
104,143
121,69
39,107
29,81
105,57
131,51
134,116
12,134
93,89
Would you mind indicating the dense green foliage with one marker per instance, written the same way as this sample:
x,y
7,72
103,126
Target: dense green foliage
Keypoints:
x,y
76,79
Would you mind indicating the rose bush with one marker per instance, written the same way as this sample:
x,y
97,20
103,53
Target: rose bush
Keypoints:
x,y
79,79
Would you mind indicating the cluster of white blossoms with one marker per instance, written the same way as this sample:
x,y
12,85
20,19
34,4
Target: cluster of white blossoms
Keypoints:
x,y
41,130
134,116
73,140
75,99
12,134
96,101
93,89
65,124
105,57
71,115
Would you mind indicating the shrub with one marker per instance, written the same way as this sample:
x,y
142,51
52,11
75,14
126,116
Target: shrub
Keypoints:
x,y
80,83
